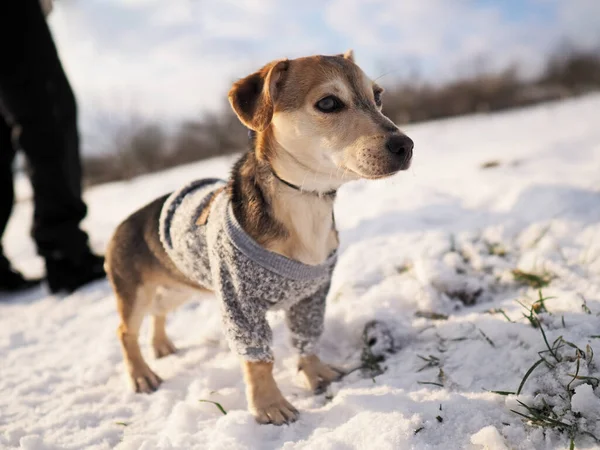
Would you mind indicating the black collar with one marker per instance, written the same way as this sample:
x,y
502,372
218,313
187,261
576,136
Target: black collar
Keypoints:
x,y
252,135
299,189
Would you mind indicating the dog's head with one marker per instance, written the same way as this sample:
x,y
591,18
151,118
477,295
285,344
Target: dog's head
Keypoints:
x,y
325,114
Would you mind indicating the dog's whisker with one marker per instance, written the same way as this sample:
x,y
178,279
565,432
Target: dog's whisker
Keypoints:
x,y
389,72
303,180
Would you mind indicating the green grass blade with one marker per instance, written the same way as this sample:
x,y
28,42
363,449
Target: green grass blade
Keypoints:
x,y
500,392
487,338
548,345
531,369
430,382
218,405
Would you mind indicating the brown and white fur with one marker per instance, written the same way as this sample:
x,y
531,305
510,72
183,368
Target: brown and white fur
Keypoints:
x,y
313,149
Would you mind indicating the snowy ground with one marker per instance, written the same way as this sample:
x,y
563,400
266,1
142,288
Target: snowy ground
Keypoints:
x,y
445,233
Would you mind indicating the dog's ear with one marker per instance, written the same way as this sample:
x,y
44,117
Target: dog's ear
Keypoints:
x,y
253,98
349,55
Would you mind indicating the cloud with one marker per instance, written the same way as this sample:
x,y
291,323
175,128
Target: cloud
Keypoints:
x,y
176,58
440,35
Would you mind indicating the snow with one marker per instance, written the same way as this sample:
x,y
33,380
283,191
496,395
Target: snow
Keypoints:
x,y
584,401
444,234
489,438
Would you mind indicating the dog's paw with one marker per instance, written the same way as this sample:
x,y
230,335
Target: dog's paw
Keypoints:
x,y
276,412
163,347
144,380
317,374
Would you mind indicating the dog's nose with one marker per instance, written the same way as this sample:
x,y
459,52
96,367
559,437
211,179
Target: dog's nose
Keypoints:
x,y
400,144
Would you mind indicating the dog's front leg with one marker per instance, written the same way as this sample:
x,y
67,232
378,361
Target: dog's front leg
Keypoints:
x,y
305,321
265,400
317,374
250,336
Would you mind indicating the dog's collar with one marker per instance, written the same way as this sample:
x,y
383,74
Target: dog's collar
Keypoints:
x,y
299,189
252,135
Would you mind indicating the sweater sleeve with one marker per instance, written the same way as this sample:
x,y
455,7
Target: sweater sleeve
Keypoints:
x,y
245,323
305,321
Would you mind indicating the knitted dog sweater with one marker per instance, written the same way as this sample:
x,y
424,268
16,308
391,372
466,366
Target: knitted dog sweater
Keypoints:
x,y
247,279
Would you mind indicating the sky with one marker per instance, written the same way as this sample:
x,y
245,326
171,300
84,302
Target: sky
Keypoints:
x,y
173,59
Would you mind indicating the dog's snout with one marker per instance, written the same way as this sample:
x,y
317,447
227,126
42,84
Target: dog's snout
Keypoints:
x,y
400,144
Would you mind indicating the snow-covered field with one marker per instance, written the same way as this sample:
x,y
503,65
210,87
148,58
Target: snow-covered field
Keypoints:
x,y
447,232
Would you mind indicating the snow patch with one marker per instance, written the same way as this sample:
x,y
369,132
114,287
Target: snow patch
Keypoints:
x,y
428,254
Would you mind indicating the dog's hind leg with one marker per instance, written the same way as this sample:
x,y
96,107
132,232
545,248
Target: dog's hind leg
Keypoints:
x,y
167,298
132,315
161,343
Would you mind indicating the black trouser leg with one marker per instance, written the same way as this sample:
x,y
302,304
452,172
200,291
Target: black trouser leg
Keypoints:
x,y
7,154
38,100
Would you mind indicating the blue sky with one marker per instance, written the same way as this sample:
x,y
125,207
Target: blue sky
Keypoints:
x,y
176,58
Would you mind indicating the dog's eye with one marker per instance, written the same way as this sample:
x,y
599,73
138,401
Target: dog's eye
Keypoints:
x,y
329,104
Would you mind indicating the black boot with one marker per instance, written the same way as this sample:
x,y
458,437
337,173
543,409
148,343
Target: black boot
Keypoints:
x,y
70,273
12,281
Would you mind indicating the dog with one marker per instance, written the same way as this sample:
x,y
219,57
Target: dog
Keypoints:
x,y
266,238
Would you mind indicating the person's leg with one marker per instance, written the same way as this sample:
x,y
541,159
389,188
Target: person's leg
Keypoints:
x,y
38,99
10,279
7,154
6,184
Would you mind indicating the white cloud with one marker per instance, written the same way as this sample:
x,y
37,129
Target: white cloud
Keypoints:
x,y
176,58
442,35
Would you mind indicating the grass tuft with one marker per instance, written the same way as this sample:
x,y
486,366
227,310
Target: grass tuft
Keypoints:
x,y
370,363
537,307
545,418
531,317
536,281
495,249
544,415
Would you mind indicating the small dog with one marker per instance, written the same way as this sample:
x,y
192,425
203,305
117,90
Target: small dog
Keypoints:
x,y
266,238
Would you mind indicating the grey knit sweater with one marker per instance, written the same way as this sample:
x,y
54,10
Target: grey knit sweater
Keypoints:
x,y
247,279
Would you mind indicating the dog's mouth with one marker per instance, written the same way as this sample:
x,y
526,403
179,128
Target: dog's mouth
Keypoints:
x,y
365,173
374,176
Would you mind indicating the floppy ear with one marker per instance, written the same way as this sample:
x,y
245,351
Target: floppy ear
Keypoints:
x,y
252,98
